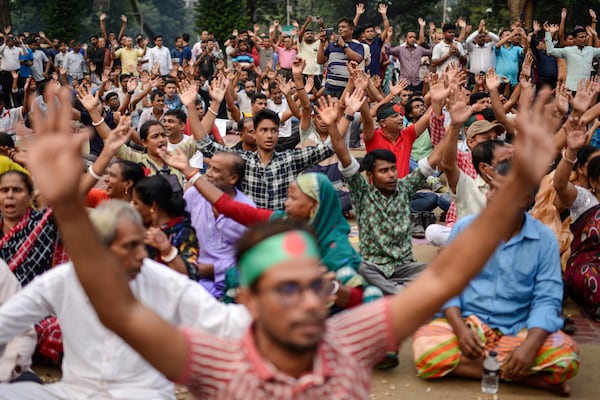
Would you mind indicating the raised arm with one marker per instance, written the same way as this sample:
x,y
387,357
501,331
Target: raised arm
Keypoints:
x,y
57,169
90,102
103,26
447,275
123,26
576,138
459,112
561,29
360,10
492,81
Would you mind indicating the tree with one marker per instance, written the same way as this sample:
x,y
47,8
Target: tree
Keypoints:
x,y
5,13
221,17
62,18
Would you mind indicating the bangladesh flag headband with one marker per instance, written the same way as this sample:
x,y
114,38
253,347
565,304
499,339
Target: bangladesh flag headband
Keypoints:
x,y
274,250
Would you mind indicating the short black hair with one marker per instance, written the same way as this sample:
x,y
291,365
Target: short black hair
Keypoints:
x,y
409,104
266,114
185,37
484,152
257,96
180,115
368,162
156,93
146,127
159,36
346,20
449,27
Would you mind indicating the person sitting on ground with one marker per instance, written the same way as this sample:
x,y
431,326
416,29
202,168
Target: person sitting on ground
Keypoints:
x,y
582,269
291,349
216,232
512,307
312,198
127,376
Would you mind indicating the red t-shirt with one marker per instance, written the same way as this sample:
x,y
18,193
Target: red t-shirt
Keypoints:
x,y
401,148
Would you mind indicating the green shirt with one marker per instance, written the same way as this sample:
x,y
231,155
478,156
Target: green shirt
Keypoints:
x,y
383,222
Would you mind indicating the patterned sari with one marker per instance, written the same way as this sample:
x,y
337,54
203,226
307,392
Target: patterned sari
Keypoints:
x,y
583,266
30,248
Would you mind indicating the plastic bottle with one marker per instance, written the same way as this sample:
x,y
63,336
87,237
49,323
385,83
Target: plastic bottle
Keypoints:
x,y
491,374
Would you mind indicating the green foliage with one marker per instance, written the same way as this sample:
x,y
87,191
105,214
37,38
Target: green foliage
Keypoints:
x,y
495,13
62,18
221,17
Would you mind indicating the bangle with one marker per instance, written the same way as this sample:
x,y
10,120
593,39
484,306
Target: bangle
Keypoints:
x,y
188,177
195,178
98,123
93,174
212,111
564,156
336,287
171,256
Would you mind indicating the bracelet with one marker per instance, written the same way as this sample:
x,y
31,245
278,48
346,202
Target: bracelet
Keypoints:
x,y
336,287
173,253
195,178
93,174
300,88
98,123
212,112
564,156
130,93
188,177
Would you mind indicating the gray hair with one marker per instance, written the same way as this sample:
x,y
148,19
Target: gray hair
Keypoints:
x,y
107,216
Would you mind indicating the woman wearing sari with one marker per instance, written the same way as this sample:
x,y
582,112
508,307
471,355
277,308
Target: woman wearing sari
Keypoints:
x,y
311,198
30,245
582,271
170,236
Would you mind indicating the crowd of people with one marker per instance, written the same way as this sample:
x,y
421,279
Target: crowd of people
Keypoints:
x,y
141,246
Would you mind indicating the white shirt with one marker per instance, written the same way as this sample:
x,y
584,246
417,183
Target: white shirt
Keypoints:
x,y
470,196
19,349
285,127
162,56
308,52
244,102
441,49
9,119
96,361
10,58
481,57
74,63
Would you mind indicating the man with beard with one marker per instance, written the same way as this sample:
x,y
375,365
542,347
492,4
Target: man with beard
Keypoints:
x,y
307,50
409,55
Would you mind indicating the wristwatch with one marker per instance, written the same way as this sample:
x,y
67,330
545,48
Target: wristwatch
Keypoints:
x,y
345,46
349,117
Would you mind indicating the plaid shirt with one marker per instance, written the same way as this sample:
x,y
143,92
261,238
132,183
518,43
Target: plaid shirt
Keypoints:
x,y
383,222
267,185
463,158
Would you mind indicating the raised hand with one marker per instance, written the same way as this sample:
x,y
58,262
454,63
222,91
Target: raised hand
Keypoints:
x,y
298,66
176,159
562,97
563,13
354,101
592,14
360,8
310,84
188,94
132,84
14,74
382,9
328,109
398,87
492,80
459,110
583,97
285,86
461,22
536,26
87,99
217,89
421,22
554,28
123,18
361,80
102,17
576,134
120,135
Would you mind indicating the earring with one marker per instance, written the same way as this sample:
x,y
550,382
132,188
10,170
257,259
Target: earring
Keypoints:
x,y
152,211
126,191
593,190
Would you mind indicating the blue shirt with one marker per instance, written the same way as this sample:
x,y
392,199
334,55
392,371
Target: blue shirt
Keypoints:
x,y
337,71
375,66
507,62
25,71
520,286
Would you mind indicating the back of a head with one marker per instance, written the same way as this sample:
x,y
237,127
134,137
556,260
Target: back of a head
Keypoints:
x,y
157,189
484,152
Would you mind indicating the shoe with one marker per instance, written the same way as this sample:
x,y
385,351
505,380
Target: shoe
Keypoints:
x,y
416,225
389,361
427,218
435,185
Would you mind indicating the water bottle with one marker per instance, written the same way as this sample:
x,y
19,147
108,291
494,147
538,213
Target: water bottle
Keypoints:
x,y
491,374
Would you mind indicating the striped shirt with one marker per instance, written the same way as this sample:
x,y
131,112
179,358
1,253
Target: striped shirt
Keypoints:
x,y
337,70
353,343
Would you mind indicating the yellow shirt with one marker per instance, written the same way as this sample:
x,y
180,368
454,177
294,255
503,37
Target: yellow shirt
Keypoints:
x,y
129,58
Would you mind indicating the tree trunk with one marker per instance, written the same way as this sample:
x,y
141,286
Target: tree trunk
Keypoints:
x,y
4,14
138,17
515,8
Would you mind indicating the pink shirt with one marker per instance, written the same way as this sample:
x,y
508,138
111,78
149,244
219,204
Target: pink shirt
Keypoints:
x,y
353,343
286,57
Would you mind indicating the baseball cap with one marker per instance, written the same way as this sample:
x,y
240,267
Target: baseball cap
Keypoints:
x,y
479,127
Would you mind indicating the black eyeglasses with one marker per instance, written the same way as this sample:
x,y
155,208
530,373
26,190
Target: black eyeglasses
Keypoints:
x,y
289,294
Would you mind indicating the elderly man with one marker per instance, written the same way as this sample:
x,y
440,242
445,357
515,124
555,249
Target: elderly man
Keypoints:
x,y
98,364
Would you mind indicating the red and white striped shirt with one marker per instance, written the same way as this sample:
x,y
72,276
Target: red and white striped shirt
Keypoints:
x,y
354,342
